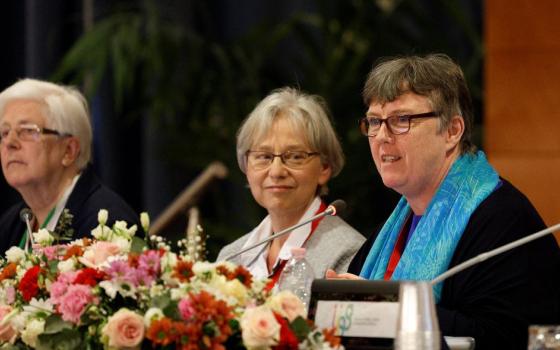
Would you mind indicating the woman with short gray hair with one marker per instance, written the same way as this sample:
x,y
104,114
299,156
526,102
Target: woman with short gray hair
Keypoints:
x,y
289,150
45,149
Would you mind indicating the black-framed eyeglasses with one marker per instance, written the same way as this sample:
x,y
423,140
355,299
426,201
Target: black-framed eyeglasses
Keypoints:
x,y
397,124
292,159
29,132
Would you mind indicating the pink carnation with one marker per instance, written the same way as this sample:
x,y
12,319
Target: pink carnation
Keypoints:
x,y
186,308
10,295
50,252
58,289
74,302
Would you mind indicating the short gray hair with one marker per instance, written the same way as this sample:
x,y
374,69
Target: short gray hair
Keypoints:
x,y
66,110
436,77
308,113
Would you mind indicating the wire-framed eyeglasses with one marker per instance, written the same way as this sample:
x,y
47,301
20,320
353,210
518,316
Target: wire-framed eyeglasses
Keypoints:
x,y
28,132
292,159
397,124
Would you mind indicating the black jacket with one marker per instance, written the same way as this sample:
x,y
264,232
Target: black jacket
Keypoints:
x,y
87,198
496,300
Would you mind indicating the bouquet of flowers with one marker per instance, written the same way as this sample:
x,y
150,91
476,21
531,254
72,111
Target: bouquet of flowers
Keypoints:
x,y
119,291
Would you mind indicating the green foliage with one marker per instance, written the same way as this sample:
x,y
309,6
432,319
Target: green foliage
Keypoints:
x,y
198,88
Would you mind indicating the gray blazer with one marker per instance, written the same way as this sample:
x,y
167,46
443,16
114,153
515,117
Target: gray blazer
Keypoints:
x,y
332,246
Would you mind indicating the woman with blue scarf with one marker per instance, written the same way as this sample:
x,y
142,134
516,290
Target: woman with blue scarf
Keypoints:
x,y
454,206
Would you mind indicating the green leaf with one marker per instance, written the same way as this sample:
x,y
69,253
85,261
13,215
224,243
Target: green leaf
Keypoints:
x,y
55,324
68,339
161,301
137,245
172,310
300,327
53,266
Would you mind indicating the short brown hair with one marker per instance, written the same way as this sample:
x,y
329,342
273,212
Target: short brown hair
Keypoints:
x,y
435,76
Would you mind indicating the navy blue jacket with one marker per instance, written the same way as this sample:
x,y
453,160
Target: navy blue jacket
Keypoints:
x,y
87,198
496,300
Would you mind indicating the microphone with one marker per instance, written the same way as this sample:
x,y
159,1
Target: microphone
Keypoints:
x,y
483,256
335,207
26,215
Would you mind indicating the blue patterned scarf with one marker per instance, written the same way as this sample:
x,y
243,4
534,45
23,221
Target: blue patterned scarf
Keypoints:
x,y
470,180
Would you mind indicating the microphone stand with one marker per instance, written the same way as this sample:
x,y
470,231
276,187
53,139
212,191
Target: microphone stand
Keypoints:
x,y
494,252
26,215
331,210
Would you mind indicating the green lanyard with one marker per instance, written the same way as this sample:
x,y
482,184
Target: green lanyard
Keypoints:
x,y
24,237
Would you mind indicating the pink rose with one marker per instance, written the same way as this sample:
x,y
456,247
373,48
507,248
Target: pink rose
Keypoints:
x,y
125,329
98,253
74,301
7,333
259,328
287,305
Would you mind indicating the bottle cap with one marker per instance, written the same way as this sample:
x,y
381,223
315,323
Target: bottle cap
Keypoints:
x,y
298,252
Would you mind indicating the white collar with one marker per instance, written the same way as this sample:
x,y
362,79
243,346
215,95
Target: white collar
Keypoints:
x,y
255,259
51,225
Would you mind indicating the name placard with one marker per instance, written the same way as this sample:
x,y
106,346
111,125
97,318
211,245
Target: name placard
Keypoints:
x,y
365,319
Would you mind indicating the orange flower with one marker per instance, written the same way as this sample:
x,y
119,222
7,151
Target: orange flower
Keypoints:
x,y
133,259
183,271
161,332
74,250
244,276
331,338
240,273
8,272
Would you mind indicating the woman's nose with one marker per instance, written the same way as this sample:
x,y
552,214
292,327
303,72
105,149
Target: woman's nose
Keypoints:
x,y
277,167
384,134
10,138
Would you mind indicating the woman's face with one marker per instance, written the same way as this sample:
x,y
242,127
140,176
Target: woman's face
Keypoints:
x,y
280,189
415,163
28,163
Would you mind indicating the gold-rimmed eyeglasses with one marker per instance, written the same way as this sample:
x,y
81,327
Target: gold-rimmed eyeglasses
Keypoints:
x,y
292,159
397,124
28,132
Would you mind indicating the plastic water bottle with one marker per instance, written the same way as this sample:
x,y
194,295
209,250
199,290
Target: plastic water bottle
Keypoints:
x,y
297,276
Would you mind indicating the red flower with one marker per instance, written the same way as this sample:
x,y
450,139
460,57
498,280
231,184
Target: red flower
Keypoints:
x,y
183,271
28,285
89,277
288,340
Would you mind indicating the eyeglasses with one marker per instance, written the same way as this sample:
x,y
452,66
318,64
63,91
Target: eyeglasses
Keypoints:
x,y
28,132
397,124
292,159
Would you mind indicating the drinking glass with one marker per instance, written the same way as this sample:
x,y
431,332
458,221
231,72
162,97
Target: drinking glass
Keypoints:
x,y
543,337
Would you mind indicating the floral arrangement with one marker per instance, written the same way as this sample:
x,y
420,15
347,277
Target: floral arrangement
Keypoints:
x,y
119,291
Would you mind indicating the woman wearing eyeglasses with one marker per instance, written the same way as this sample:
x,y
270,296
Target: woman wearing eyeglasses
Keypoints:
x,y
288,150
45,148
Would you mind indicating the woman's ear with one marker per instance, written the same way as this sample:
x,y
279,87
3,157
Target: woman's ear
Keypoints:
x,y
455,131
325,174
71,151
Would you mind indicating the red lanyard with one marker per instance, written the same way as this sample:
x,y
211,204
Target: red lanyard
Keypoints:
x,y
398,250
280,266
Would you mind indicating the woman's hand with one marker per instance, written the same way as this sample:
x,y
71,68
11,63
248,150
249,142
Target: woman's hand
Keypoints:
x,y
331,274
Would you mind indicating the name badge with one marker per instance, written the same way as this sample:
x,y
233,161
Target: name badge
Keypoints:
x,y
358,318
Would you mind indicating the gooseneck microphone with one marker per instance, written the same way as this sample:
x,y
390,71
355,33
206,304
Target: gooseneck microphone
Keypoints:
x,y
333,209
483,256
26,215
